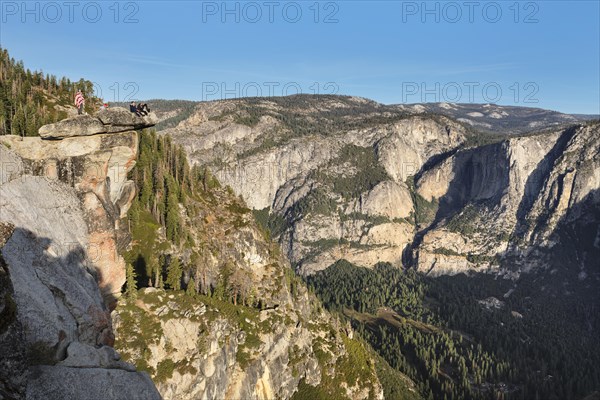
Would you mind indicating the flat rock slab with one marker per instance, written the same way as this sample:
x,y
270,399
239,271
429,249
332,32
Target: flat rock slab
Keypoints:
x,y
119,116
112,120
61,383
81,125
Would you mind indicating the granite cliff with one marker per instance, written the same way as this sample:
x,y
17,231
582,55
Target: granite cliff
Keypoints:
x,y
61,204
347,178
510,207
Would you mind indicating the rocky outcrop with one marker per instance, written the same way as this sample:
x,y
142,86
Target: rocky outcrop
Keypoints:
x,y
67,329
48,383
211,357
61,203
13,365
113,120
49,244
197,350
96,167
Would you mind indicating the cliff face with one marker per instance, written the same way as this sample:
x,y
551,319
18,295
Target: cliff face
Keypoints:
x,y
347,178
60,206
339,185
13,365
96,167
197,349
506,206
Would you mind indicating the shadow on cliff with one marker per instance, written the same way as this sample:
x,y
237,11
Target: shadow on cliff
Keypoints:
x,y
65,271
539,176
140,267
576,238
480,176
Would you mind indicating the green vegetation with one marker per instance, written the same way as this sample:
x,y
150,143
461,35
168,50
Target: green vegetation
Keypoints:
x,y
139,330
317,201
29,99
425,211
395,385
369,172
174,273
464,222
164,370
130,284
267,142
436,332
249,119
164,180
166,219
309,392
476,138
271,224
370,219
446,252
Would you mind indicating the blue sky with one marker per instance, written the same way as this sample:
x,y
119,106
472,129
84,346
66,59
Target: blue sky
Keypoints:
x,y
530,53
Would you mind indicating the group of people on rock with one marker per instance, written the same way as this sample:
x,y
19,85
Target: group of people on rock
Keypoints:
x,y
140,109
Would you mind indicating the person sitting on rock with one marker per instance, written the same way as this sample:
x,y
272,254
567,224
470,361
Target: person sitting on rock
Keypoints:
x,y
79,102
134,109
143,109
140,110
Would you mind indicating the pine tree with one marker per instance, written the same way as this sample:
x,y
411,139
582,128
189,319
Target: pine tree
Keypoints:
x,y
172,218
174,273
191,288
18,122
25,92
147,193
131,284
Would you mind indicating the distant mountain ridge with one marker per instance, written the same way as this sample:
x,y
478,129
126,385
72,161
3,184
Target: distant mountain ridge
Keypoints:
x,y
500,119
490,118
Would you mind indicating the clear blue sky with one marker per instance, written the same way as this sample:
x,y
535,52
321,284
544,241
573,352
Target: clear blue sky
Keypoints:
x,y
389,51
